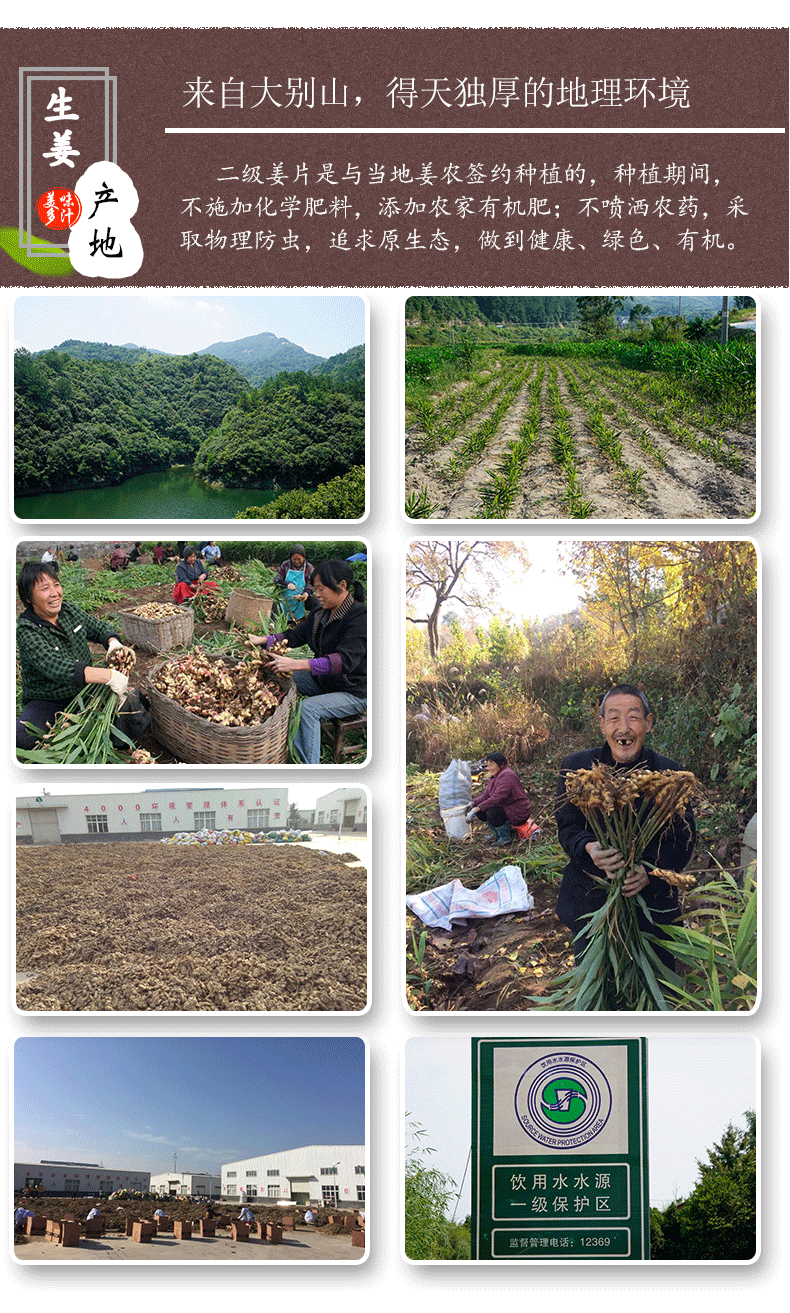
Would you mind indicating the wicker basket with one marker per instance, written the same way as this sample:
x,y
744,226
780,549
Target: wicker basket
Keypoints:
x,y
247,609
162,634
194,739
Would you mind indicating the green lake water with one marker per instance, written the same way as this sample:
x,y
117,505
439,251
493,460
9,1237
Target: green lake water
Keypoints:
x,y
175,494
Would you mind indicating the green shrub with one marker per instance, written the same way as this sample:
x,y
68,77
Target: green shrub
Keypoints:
x,y
342,498
274,552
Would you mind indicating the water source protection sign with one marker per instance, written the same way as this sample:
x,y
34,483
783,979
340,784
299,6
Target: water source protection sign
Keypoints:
x,y
559,1149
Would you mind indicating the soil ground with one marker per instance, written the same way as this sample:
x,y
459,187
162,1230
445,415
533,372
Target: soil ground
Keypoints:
x,y
502,964
161,927
314,1247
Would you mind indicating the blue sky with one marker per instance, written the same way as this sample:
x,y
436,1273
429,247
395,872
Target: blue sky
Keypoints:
x,y
322,325
134,1102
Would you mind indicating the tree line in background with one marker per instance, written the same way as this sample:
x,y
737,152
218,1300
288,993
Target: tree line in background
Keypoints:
x,y
433,320
82,423
678,618
492,309
717,1220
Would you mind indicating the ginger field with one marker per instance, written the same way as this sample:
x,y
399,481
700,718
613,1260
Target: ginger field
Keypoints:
x,y
579,434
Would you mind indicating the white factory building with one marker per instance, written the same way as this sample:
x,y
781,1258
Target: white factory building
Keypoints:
x,y
329,1174
59,1178
350,805
176,1185
148,814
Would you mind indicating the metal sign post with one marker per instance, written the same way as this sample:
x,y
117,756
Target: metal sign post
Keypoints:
x,y
559,1149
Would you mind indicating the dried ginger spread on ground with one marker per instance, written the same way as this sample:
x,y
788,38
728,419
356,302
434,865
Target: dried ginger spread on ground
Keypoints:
x,y
153,927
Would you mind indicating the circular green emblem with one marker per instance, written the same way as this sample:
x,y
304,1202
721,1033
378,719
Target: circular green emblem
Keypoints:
x,y
563,1100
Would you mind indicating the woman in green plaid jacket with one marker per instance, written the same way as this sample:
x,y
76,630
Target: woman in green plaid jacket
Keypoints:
x,y
52,638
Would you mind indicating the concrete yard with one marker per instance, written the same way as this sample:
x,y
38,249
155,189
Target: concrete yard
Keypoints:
x,y
301,1246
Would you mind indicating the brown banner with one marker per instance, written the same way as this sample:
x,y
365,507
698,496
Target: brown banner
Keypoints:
x,y
519,157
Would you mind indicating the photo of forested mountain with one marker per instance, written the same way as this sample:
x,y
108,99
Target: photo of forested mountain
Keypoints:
x,y
258,412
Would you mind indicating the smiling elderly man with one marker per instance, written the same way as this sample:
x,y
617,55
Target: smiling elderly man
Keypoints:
x,y
625,720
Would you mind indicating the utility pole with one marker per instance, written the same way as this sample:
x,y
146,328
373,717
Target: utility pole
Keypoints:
x,y
725,323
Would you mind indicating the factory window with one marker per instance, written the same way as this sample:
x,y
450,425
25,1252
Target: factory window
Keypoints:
x,y
250,1173
150,821
330,1194
231,1176
272,1171
252,1191
204,820
97,824
359,1171
71,1187
329,1171
272,1191
333,817
360,1194
258,818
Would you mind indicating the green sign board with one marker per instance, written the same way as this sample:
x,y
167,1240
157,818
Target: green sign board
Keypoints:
x,y
559,1149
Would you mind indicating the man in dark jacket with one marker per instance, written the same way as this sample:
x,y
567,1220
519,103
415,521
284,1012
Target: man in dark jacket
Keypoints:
x,y
625,720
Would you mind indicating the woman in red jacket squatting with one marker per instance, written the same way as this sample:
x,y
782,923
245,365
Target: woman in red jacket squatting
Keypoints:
x,y
503,802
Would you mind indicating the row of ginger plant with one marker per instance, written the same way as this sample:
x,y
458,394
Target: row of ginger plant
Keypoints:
x,y
442,418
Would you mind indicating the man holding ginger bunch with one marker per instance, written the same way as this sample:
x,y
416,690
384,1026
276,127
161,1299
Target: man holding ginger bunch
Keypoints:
x,y
625,719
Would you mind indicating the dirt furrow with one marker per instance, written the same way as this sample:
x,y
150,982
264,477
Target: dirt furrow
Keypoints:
x,y
691,487
595,471
542,484
743,440
464,503
428,471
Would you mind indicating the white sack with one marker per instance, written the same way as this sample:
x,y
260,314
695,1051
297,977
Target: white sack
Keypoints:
x,y
505,891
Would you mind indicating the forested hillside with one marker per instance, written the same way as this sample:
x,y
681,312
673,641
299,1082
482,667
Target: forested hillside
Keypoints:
x,y
263,356
128,353
83,423
296,429
346,371
491,309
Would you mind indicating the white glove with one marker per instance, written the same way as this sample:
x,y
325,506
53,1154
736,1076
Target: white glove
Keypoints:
x,y
118,682
472,812
113,643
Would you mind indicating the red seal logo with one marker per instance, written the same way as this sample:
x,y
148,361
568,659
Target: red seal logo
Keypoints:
x,y
59,208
